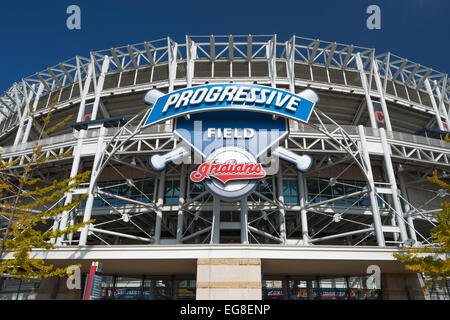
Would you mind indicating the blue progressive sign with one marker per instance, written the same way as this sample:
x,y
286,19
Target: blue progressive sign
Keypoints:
x,y
236,97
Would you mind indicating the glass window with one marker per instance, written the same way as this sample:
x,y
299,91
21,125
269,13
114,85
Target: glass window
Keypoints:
x,y
290,191
437,293
298,290
357,289
197,188
172,192
333,289
341,188
163,290
143,190
128,288
15,289
265,187
272,290
185,289
107,291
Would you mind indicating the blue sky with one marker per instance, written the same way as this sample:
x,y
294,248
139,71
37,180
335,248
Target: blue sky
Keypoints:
x,y
34,34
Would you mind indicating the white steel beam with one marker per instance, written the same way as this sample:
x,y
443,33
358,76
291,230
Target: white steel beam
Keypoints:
x,y
290,49
271,51
441,108
400,69
119,234
159,205
340,235
66,72
424,77
191,53
6,105
24,118
30,120
434,105
393,184
372,195
412,74
215,233
303,197
280,196
244,220
366,91
212,49
314,51
172,62
330,54
407,207
92,187
381,93
181,202
230,48
348,56
132,57
99,87
265,234
116,59
69,195
87,83
54,77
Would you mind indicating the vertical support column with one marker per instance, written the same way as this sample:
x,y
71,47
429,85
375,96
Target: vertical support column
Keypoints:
x,y
191,53
366,88
407,207
77,151
215,232
372,196
282,216
228,279
69,196
303,196
381,93
99,88
159,205
309,289
181,201
85,91
271,55
434,105
172,54
30,121
393,183
441,107
290,51
92,187
244,221
25,117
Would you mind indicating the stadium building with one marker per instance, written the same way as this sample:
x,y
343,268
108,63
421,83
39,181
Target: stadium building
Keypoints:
x,y
373,131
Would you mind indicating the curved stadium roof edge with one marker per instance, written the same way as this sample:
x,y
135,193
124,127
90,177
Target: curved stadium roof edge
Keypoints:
x,y
226,48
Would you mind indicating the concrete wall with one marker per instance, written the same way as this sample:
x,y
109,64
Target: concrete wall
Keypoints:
x,y
229,279
56,289
403,287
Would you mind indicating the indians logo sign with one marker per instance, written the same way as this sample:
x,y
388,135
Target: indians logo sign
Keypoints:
x,y
230,127
229,171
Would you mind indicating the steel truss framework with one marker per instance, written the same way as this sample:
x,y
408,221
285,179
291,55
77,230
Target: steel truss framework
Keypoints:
x,y
264,216
297,61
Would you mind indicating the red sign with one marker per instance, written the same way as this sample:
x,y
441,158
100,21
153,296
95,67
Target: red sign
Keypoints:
x,y
379,115
229,171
